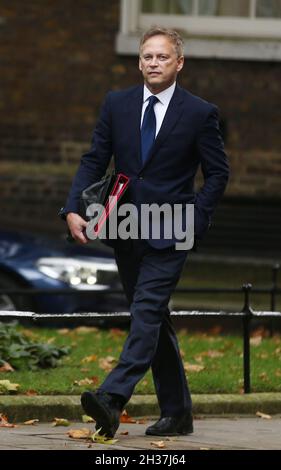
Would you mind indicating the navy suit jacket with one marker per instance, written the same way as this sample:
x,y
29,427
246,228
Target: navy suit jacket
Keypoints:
x,y
189,137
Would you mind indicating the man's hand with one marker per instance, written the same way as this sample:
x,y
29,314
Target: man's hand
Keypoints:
x,y
76,226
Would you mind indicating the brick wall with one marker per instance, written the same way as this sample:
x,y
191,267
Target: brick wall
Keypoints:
x,y
58,61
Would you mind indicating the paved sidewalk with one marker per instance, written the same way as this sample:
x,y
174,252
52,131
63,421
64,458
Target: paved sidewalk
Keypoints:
x,y
238,433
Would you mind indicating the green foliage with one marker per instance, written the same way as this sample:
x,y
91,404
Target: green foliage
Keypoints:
x,y
23,353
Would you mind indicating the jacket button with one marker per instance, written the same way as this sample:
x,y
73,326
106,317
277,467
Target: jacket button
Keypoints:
x,y
140,177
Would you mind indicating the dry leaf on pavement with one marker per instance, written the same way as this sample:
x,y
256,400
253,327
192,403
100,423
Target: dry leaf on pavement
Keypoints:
x,y
83,433
142,421
263,415
60,422
159,444
100,439
87,419
125,418
31,422
4,423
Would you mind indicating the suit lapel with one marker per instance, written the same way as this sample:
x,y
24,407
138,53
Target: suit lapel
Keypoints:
x,y
133,120
173,113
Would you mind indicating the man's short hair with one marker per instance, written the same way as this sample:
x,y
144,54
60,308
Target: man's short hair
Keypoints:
x,y
171,34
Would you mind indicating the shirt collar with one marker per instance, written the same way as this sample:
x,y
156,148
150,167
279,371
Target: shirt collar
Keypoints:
x,y
164,96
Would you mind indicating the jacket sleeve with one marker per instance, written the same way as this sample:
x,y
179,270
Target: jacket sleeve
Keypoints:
x,y
215,170
93,164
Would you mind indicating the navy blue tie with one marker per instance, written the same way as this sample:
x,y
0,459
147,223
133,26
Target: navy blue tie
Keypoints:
x,y
148,128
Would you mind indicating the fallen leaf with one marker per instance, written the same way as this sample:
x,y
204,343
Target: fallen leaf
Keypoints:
x,y
193,367
100,439
256,340
198,358
278,373
125,418
63,331
215,330
204,448
262,356
29,333
79,433
141,421
124,433
87,419
212,353
6,367
263,415
263,376
50,340
260,332
85,329
31,422
85,381
31,393
4,423
91,358
159,444
7,386
106,363
95,380
144,382
117,332
60,422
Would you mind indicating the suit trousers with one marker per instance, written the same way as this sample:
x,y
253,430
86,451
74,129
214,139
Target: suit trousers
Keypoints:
x,y
149,277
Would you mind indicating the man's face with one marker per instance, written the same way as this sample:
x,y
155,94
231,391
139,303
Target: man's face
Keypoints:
x,y
159,63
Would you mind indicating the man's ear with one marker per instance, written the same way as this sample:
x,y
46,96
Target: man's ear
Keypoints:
x,y
140,66
180,63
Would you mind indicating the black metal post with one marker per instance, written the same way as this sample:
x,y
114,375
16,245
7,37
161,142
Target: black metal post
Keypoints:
x,y
246,338
275,270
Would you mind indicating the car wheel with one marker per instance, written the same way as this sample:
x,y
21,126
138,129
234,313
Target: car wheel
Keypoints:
x,y
10,302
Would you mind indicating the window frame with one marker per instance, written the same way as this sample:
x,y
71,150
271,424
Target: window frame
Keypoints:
x,y
246,38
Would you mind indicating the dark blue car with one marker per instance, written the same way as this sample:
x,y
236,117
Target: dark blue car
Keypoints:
x,y
28,261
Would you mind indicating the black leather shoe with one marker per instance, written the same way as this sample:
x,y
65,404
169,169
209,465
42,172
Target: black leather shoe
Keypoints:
x,y
103,409
171,426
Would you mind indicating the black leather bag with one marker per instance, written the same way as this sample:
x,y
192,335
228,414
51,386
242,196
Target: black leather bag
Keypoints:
x,y
96,193
95,198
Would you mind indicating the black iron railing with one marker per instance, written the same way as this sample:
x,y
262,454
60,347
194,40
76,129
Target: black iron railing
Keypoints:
x,y
247,314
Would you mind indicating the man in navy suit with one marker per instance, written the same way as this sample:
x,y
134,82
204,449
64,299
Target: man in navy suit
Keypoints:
x,y
159,135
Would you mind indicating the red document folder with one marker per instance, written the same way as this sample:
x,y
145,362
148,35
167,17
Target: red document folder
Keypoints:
x,y
120,185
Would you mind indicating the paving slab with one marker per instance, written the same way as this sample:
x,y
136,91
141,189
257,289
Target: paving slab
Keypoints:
x,y
239,433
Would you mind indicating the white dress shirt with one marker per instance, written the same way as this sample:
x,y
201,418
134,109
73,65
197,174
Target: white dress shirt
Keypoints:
x,y
161,106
